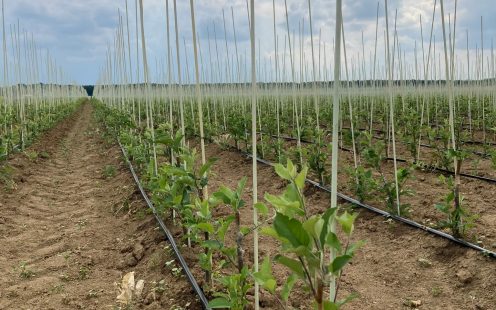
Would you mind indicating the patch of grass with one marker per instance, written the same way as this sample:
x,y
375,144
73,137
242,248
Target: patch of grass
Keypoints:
x,y
31,155
44,155
56,289
176,271
109,171
125,206
6,177
92,294
155,261
140,215
24,271
64,277
83,273
66,255
436,291
158,287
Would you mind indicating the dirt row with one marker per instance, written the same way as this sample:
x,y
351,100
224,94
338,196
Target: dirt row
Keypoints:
x,y
72,225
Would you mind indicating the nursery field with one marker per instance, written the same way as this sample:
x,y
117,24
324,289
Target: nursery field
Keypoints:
x,y
81,195
232,175
410,264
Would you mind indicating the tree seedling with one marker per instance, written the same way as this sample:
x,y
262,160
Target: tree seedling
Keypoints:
x,y
457,220
304,239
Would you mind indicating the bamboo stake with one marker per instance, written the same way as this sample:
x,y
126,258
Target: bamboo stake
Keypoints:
x,y
254,146
391,108
335,129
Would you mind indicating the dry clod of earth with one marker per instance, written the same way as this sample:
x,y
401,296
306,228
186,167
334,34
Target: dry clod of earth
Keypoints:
x,y
464,276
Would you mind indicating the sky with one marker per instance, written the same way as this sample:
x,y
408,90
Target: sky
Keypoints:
x,y
78,34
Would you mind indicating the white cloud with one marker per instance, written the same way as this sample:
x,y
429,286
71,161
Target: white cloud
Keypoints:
x,y
78,32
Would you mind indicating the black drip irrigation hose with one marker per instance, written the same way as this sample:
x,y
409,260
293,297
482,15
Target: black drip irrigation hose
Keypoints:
x,y
437,138
430,167
481,154
479,142
390,215
170,238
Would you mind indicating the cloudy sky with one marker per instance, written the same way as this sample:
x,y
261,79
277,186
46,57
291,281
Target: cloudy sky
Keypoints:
x,y
78,34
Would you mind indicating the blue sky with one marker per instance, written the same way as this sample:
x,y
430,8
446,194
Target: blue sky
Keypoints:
x,y
78,32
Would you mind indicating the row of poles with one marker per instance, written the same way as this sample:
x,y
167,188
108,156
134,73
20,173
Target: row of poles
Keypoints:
x,y
222,85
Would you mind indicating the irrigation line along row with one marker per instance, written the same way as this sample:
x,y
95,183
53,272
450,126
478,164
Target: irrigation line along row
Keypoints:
x,y
379,138
466,175
481,154
437,138
390,215
182,261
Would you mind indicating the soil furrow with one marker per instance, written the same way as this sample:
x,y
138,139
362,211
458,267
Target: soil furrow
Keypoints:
x,y
63,245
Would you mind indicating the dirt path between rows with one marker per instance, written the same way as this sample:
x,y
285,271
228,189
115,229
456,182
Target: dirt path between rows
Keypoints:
x,y
73,226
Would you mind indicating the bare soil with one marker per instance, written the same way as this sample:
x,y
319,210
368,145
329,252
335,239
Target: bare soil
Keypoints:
x,y
73,225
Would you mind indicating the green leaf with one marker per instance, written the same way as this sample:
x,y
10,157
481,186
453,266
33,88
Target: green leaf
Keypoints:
x,y
291,168
291,193
270,285
224,226
224,194
346,220
241,186
292,264
206,167
205,261
292,230
329,305
339,262
204,209
282,172
354,246
206,227
300,178
450,197
328,218
271,232
244,230
443,208
261,208
313,226
288,286
212,244
264,276
219,303
347,299
333,241
284,206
